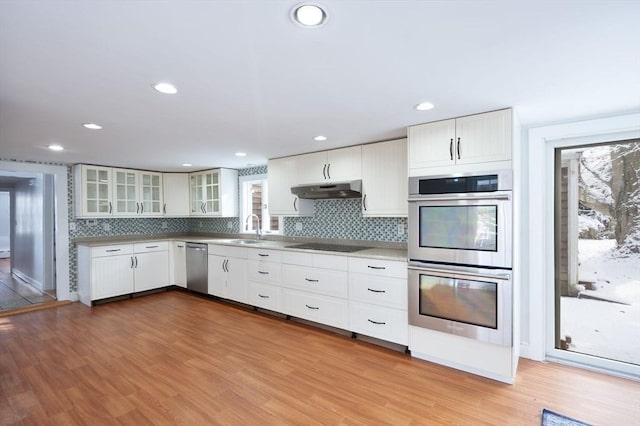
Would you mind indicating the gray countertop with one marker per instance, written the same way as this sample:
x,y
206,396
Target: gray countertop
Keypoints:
x,y
374,249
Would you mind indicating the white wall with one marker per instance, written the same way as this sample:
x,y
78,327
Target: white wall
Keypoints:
x,y
5,224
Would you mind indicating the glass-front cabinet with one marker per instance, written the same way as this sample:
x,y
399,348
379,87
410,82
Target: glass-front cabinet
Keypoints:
x,y
137,193
94,191
214,193
205,193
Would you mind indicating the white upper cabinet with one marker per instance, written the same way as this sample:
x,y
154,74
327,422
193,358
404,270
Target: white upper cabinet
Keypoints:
x,y
474,139
282,175
330,166
92,191
175,190
214,193
136,192
384,179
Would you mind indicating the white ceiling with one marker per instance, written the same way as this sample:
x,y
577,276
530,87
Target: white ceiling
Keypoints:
x,y
250,80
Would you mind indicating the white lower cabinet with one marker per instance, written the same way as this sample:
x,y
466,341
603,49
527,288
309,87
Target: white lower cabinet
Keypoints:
x,y
228,272
264,275
178,263
116,270
378,299
327,310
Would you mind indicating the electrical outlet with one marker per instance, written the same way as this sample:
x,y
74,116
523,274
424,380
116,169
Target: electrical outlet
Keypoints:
x,y
106,227
298,226
164,225
401,229
200,224
91,222
229,225
72,226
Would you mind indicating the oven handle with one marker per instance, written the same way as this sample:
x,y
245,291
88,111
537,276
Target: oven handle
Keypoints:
x,y
454,197
446,273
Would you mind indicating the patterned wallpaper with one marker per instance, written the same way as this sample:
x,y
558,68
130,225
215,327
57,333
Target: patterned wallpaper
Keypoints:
x,y
338,219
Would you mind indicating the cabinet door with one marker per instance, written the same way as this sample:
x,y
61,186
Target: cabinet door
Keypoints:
x,y
384,179
483,137
217,275
282,175
111,276
125,192
196,191
150,193
96,191
237,279
312,168
432,144
211,196
151,270
175,192
178,264
344,164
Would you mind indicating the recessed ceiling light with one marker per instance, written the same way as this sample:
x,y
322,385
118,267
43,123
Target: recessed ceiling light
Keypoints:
x,y
92,126
309,15
166,88
56,147
241,154
187,164
320,138
424,106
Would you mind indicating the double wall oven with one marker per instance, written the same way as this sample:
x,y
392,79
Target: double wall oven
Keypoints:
x,y
460,254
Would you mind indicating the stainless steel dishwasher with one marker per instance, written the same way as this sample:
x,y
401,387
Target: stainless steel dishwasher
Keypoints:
x,y
197,271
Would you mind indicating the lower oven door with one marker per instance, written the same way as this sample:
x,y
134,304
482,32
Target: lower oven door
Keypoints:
x,y
469,302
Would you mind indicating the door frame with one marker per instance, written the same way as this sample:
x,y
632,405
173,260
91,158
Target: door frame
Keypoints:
x,y
539,287
61,222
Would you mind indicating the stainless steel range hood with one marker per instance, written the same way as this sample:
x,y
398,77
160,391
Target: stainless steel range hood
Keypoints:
x,y
321,191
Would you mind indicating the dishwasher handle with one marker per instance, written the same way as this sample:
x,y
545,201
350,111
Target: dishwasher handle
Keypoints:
x,y
197,247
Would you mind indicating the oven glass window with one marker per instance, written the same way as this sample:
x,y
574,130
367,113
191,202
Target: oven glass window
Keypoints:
x,y
459,227
467,301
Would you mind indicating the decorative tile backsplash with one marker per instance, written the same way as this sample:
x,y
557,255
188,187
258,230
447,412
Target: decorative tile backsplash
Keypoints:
x,y
343,219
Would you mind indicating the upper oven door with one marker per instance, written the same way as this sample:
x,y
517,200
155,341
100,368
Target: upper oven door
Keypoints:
x,y
465,229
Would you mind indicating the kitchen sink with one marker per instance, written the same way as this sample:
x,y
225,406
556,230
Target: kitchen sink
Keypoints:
x,y
245,242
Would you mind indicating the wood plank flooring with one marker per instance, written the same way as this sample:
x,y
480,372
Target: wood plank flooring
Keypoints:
x,y
174,358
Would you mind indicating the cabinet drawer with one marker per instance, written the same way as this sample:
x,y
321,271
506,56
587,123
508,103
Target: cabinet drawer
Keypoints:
x,y
382,323
327,261
265,255
266,272
217,250
114,250
313,307
391,292
264,296
387,268
315,280
152,246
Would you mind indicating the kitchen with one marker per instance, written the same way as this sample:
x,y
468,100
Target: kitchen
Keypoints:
x,y
348,215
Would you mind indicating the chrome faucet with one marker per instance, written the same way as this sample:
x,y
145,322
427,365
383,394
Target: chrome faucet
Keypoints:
x,y
259,229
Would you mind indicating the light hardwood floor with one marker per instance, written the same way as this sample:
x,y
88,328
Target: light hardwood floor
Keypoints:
x,y
174,358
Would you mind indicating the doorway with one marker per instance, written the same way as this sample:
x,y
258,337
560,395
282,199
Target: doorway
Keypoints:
x,y
597,250
27,245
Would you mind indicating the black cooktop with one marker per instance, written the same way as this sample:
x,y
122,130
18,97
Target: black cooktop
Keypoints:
x,y
328,247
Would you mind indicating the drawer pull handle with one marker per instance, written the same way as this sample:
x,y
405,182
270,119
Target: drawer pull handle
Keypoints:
x,y
312,307
263,296
376,267
151,246
376,322
263,255
112,250
376,291
179,246
311,281
263,272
